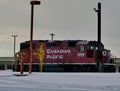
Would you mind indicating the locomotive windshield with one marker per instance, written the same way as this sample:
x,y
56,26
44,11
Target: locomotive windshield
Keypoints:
x,y
92,47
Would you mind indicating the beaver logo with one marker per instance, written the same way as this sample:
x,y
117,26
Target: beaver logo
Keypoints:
x,y
41,52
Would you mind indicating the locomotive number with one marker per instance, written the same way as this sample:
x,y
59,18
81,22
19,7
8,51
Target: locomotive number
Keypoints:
x,y
81,54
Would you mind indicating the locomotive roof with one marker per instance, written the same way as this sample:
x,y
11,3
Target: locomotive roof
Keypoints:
x,y
70,43
77,41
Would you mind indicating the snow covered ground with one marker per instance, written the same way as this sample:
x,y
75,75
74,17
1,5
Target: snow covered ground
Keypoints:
x,y
60,82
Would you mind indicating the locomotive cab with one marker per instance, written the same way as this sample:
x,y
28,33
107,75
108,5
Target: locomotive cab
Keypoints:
x,y
93,48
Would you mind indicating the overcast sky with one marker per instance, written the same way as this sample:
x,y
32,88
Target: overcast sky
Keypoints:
x,y
67,19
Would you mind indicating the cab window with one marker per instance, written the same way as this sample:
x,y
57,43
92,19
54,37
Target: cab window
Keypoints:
x,y
81,49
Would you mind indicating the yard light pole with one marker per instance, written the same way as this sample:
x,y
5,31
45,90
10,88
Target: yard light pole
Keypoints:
x,y
14,36
52,35
99,62
98,11
32,3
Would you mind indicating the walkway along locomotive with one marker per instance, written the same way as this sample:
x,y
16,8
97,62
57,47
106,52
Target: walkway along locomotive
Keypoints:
x,y
65,56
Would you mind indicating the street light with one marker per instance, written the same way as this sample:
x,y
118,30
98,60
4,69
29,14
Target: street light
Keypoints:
x,y
34,2
14,36
52,35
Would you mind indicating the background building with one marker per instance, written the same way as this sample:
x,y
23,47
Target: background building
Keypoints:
x,y
6,63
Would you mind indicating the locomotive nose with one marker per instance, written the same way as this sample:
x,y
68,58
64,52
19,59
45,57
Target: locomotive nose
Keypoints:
x,y
106,53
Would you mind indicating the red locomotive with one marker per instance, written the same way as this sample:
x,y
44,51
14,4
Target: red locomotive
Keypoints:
x,y
66,56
